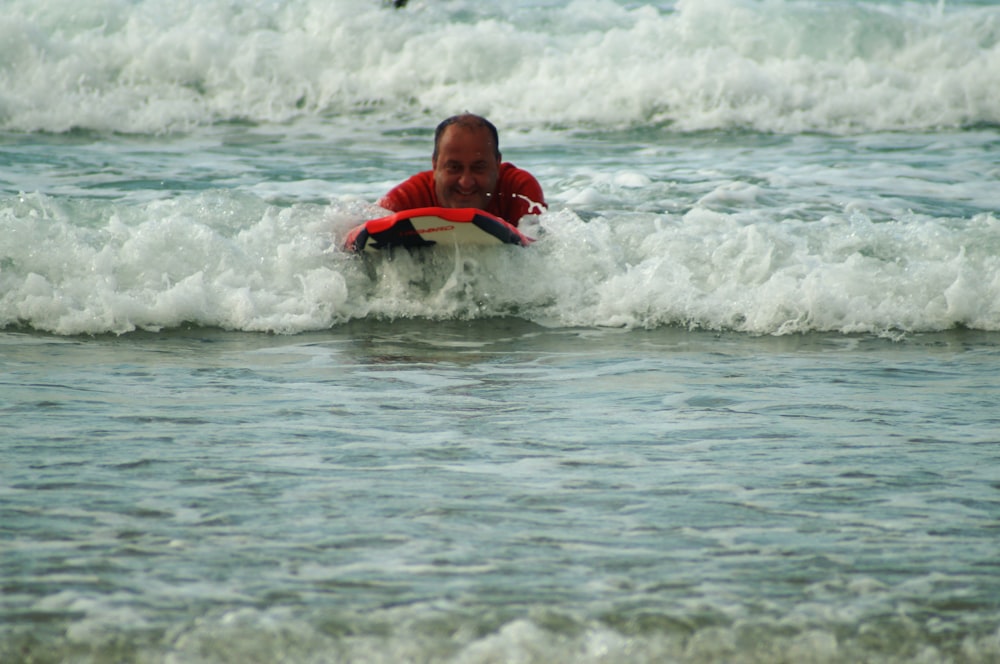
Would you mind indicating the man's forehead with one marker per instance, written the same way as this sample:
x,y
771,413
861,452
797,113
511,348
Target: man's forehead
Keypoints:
x,y
457,133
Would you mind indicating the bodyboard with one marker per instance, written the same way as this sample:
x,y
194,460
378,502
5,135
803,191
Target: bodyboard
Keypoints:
x,y
433,226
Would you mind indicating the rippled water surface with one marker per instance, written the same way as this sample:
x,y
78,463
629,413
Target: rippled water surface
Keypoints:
x,y
494,489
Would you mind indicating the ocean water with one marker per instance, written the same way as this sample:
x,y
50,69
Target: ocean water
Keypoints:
x,y
737,403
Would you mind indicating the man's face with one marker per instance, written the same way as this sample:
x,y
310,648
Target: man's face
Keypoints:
x,y
466,168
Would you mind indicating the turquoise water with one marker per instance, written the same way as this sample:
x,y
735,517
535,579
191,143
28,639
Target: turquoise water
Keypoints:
x,y
737,403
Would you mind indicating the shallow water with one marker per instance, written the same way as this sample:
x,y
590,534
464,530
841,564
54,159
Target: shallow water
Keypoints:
x,y
493,490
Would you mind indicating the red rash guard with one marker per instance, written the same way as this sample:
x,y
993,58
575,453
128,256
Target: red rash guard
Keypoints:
x,y
506,203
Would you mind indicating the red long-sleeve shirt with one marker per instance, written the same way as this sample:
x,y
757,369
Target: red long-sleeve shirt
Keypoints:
x,y
518,193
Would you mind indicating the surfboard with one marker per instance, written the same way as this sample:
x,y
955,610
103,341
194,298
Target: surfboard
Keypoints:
x,y
433,226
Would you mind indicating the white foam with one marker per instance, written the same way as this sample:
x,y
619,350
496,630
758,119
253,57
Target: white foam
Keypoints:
x,y
227,260
170,262
805,66
424,633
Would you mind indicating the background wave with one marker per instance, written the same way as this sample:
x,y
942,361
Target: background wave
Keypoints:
x,y
838,67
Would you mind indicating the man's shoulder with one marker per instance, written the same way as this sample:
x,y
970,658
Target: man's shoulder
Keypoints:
x,y
509,169
520,193
513,176
415,191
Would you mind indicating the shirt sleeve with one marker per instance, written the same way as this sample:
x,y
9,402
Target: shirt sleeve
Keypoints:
x,y
415,192
520,194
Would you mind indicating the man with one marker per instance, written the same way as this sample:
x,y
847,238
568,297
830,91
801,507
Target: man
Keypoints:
x,y
467,172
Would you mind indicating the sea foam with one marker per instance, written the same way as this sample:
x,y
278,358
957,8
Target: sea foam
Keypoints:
x,y
168,263
837,67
